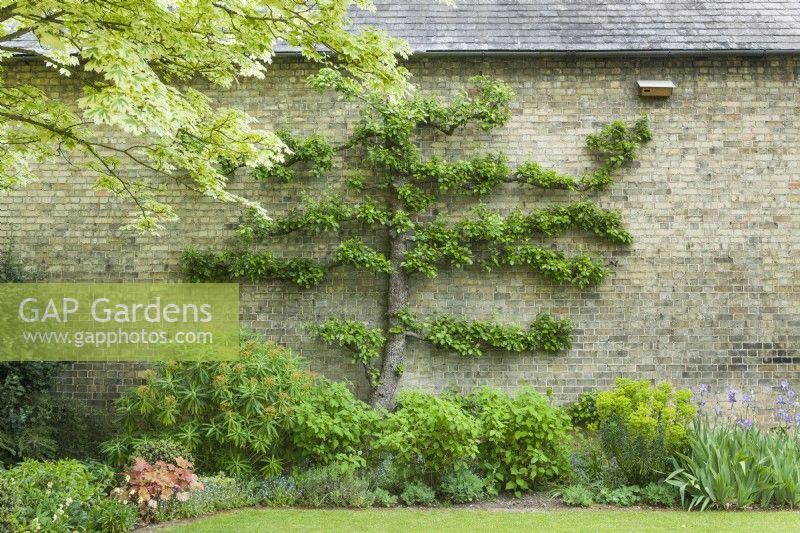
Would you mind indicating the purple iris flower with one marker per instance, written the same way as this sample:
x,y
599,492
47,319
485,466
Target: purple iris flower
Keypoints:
x,y
718,410
783,415
703,388
785,386
747,399
732,396
746,424
780,400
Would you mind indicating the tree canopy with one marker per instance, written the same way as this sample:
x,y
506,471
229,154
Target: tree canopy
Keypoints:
x,y
134,59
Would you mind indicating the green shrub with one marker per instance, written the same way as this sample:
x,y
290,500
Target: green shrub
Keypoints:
x,y
54,496
583,411
334,485
26,411
159,449
576,496
26,408
279,491
590,465
462,486
10,503
429,436
523,440
418,494
112,516
219,493
11,270
624,496
79,429
642,426
332,425
382,498
659,494
234,417
729,467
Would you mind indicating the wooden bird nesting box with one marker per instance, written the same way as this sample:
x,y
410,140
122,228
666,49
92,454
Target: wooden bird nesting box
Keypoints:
x,y
662,88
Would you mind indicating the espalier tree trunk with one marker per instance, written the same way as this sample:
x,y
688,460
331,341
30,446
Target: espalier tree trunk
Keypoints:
x,y
398,198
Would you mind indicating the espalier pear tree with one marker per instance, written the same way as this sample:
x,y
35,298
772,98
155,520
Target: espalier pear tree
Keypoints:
x,y
131,61
399,196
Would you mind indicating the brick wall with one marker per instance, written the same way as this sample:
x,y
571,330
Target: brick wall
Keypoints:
x,y
709,292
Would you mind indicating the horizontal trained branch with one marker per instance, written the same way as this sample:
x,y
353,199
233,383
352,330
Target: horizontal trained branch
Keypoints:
x,y
198,266
366,343
470,338
315,151
506,240
356,253
315,216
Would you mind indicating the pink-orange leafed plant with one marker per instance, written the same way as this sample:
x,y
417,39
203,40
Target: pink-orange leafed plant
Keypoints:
x,y
148,484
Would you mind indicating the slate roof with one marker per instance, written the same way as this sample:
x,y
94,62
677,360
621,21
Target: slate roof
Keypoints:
x,y
584,26
577,26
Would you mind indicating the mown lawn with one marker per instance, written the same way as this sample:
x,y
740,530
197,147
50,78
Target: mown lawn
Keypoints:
x,y
459,520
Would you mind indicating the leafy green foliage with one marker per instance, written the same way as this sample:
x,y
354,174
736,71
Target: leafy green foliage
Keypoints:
x,y
660,494
624,496
133,70
53,496
280,491
314,150
11,270
417,493
590,464
256,415
26,411
159,449
533,173
476,176
112,516
382,498
333,426
583,411
504,241
365,343
730,467
219,493
469,338
316,215
523,439
429,436
70,418
227,265
233,416
642,426
462,486
10,503
333,485
617,143
35,423
356,253
576,496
